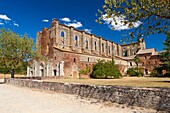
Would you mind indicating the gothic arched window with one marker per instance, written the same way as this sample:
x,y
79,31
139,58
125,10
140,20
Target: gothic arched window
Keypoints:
x,y
125,53
102,47
62,34
109,49
87,44
74,60
76,40
95,45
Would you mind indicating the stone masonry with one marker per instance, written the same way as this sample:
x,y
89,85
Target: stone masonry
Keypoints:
x,y
68,50
155,98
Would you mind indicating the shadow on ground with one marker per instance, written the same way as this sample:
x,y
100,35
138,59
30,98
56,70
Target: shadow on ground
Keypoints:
x,y
2,81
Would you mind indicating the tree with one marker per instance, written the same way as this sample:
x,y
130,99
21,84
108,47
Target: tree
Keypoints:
x,y
136,60
153,15
22,69
14,50
104,70
165,56
135,72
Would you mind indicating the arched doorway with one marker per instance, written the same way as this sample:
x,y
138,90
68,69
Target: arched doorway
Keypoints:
x,y
41,69
146,72
75,72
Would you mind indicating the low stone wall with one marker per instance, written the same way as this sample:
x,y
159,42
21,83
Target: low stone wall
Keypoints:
x,y
41,78
155,98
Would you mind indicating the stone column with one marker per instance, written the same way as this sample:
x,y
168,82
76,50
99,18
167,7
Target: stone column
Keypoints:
x,y
117,50
104,53
113,49
107,47
71,37
28,71
120,50
57,69
92,43
100,45
62,68
83,41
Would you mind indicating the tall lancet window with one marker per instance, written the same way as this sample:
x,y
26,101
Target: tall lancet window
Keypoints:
x,y
87,44
109,49
76,40
95,45
102,47
125,53
62,34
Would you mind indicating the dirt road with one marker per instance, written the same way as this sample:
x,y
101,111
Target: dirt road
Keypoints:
x,y
24,100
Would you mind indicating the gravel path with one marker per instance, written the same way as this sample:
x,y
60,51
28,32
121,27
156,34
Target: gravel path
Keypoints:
x,y
24,100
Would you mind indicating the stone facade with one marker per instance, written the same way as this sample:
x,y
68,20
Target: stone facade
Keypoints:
x,y
68,50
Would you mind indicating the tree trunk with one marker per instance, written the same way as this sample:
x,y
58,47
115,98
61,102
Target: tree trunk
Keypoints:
x,y
12,73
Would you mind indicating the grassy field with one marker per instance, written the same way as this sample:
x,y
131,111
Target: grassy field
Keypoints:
x,y
9,76
126,81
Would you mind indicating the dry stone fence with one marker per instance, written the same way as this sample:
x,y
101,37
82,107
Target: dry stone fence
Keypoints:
x,y
155,98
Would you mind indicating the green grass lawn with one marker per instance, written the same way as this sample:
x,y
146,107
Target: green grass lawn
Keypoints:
x,y
126,81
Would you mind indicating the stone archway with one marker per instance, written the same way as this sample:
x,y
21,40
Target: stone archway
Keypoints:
x,y
75,72
41,69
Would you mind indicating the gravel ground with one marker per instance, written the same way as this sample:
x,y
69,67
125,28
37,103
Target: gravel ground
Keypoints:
x,y
24,100
1,81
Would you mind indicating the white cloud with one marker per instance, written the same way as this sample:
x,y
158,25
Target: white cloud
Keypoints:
x,y
74,20
88,31
45,20
15,24
75,25
1,23
65,19
4,17
120,22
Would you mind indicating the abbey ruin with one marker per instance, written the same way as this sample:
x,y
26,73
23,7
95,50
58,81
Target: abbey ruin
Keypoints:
x,y
68,50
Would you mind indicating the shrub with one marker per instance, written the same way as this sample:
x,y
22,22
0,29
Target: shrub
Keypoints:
x,y
157,72
86,71
154,73
103,70
131,72
83,71
167,75
135,72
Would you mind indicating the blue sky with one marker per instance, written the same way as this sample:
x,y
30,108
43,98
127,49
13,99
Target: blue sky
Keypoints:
x,y
30,16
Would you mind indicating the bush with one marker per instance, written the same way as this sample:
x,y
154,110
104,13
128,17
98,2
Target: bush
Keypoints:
x,y
135,72
86,71
103,70
167,75
157,72
131,72
154,73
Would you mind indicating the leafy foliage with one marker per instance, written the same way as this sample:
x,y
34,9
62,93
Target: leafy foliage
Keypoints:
x,y
156,72
165,56
104,70
15,50
153,14
135,72
22,69
136,60
88,70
